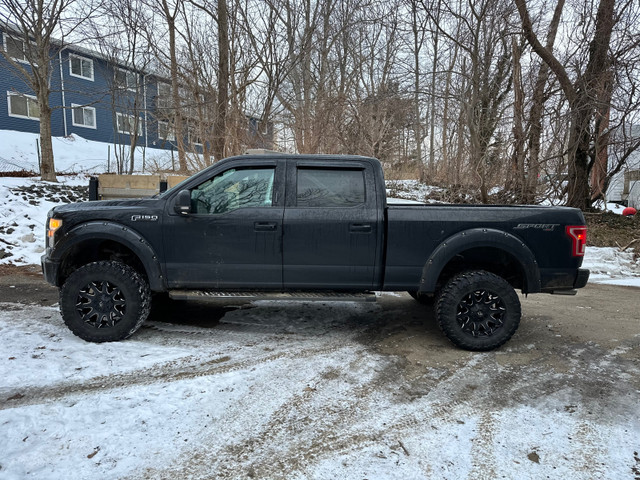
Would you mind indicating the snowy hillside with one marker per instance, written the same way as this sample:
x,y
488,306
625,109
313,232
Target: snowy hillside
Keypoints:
x,y
72,154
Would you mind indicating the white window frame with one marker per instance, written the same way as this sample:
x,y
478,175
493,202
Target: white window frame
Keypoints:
x,y
91,78
83,107
171,133
126,77
164,98
131,120
15,115
4,46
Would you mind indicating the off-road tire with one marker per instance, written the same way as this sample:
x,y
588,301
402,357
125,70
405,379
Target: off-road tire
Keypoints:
x,y
478,310
105,301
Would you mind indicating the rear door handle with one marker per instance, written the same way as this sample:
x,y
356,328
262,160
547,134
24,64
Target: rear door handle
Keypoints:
x,y
265,226
360,227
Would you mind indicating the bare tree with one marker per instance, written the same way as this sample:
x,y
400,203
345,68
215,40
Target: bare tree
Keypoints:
x,y
35,31
119,33
587,94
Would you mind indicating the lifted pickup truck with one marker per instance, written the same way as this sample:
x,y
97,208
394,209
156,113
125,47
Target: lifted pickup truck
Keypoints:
x,y
305,226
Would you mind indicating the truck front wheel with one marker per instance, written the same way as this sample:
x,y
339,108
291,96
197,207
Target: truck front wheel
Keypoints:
x,y
104,301
478,310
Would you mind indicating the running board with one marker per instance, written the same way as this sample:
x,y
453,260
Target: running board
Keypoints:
x,y
214,295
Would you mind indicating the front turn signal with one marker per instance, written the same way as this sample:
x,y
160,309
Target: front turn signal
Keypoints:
x,y
54,224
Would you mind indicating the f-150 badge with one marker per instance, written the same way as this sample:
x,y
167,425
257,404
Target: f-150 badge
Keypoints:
x,y
144,218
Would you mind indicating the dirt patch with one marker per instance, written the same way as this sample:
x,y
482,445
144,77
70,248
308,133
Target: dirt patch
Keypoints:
x,y
612,230
8,270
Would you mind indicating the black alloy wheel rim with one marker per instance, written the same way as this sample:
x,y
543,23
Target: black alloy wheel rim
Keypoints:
x,y
481,313
101,304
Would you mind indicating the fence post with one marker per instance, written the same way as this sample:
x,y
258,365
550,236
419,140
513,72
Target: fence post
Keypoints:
x,y
93,188
39,158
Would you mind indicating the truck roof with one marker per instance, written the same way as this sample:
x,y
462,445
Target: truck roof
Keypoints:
x,y
293,157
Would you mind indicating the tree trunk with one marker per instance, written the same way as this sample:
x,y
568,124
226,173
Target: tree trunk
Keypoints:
x,y
537,107
47,166
517,181
220,123
178,124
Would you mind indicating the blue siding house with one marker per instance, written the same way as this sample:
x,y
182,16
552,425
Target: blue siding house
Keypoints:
x,y
98,99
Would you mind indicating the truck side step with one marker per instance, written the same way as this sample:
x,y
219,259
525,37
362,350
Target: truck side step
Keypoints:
x,y
214,295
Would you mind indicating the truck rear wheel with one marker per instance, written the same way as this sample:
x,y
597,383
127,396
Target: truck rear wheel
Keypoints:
x,y
478,310
104,301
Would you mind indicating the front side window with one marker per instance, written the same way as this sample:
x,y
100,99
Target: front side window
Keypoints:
x,y
126,124
81,67
233,189
324,187
84,116
24,106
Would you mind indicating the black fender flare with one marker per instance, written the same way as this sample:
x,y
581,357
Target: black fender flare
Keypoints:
x,y
476,238
105,230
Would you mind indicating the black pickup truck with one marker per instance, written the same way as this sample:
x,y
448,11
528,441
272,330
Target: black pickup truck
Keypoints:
x,y
307,226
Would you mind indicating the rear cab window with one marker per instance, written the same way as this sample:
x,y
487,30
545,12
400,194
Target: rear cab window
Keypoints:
x,y
330,188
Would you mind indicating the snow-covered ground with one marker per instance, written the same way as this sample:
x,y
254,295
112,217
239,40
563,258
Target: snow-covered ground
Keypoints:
x,y
284,390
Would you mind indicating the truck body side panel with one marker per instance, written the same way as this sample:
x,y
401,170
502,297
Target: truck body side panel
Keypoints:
x,y
414,233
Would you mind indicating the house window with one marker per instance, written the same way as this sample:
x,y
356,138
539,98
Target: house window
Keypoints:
x,y
126,79
84,116
126,124
81,67
23,106
194,138
163,100
165,132
15,48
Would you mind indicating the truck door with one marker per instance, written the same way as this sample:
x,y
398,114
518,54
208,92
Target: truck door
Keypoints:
x,y
233,236
332,226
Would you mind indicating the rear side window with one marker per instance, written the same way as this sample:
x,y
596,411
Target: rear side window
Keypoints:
x,y
322,187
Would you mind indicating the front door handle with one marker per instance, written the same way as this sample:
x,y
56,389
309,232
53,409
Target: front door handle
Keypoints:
x,y
360,227
265,226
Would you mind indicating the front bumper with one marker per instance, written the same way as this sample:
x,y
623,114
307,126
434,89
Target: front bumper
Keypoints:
x,y
50,270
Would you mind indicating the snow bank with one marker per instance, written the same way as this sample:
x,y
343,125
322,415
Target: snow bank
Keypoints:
x,y
72,154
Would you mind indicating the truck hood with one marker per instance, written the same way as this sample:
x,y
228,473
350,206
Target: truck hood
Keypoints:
x,y
102,204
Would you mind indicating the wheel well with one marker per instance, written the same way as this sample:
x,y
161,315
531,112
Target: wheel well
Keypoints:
x,y
494,260
96,250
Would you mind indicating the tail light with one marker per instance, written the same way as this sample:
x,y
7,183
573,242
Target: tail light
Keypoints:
x,y
578,235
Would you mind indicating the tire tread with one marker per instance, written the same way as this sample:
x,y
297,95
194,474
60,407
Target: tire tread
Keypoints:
x,y
113,267
448,299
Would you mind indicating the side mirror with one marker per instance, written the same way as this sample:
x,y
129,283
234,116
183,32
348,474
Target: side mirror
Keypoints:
x,y
183,203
